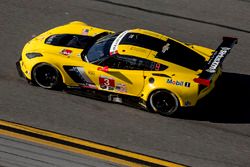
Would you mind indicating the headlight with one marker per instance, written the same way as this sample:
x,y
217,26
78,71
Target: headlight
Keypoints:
x,y
33,55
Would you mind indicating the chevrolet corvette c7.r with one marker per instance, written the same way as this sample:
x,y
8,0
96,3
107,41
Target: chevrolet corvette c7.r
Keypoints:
x,y
163,73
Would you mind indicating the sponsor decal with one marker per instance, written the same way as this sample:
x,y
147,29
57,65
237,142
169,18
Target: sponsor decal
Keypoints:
x,y
165,48
115,44
131,36
216,61
85,31
178,83
85,81
137,49
107,83
91,72
88,86
66,52
121,87
113,53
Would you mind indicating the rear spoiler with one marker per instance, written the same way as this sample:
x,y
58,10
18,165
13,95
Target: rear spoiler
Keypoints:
x,y
216,60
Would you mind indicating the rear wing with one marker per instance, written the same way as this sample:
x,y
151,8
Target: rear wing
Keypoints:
x,y
216,60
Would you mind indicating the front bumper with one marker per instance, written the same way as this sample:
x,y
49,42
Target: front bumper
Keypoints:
x,y
19,70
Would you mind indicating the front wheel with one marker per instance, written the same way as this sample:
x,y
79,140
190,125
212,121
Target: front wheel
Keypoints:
x,y
46,76
163,102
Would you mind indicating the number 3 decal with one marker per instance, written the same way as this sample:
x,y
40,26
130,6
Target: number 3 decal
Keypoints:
x,y
106,83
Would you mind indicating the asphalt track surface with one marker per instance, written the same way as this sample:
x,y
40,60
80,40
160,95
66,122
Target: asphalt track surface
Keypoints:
x,y
20,153
215,133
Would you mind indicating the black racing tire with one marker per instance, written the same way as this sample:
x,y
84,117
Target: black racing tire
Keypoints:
x,y
163,102
47,76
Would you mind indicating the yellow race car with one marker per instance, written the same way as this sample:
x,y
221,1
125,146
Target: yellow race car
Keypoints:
x,y
161,73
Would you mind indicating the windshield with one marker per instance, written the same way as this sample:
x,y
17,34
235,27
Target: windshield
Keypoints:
x,y
100,49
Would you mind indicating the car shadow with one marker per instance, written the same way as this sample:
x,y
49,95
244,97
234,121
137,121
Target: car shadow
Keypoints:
x,y
228,103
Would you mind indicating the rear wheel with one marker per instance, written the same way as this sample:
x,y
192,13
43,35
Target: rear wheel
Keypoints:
x,y
163,102
47,76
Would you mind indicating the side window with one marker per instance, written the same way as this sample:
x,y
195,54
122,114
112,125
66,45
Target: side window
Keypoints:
x,y
115,61
132,63
110,62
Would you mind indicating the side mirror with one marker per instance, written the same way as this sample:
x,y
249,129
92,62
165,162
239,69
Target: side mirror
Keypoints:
x,y
104,69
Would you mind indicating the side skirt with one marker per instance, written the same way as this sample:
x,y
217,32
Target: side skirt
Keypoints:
x,y
132,101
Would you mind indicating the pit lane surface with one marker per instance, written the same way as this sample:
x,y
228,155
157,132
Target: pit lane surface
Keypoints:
x,y
216,133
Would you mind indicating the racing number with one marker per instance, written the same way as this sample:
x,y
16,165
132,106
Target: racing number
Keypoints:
x,y
157,66
107,83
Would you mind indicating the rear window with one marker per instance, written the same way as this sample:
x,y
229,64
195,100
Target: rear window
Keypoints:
x,y
179,54
68,40
142,40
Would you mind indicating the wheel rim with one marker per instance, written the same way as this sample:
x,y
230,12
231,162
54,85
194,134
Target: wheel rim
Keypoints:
x,y
46,76
164,102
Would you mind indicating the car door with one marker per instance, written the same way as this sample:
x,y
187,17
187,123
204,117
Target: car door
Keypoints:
x,y
118,74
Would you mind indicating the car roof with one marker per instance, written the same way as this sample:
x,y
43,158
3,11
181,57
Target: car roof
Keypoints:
x,y
139,42
152,45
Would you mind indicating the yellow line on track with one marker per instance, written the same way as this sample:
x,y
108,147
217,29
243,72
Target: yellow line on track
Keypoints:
x,y
76,145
